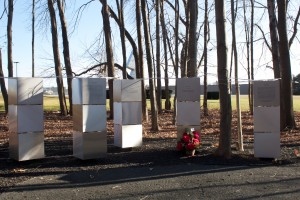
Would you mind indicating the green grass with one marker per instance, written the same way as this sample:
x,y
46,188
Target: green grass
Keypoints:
x,y
51,103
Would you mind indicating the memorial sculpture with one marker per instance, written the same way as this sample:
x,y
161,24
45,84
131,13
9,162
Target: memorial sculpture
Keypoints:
x,y
25,118
89,118
128,130
266,119
188,105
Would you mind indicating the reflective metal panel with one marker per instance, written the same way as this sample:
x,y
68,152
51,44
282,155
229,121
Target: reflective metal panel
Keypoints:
x,y
26,146
188,113
127,90
89,91
26,118
267,145
181,130
128,113
89,145
128,135
266,119
25,91
76,91
89,118
117,90
188,89
266,93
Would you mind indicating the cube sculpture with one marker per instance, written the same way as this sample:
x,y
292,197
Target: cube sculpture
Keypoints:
x,y
89,118
266,119
25,118
128,113
188,105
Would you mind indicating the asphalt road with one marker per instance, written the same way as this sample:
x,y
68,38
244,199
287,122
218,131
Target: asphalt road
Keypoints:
x,y
185,181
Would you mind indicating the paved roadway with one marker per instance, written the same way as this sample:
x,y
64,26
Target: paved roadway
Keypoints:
x,y
185,181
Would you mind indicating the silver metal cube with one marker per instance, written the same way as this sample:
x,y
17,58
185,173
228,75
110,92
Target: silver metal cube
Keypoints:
x,y
127,90
26,146
266,119
266,93
25,91
89,91
188,113
128,135
89,118
188,89
182,129
90,145
128,113
267,145
25,118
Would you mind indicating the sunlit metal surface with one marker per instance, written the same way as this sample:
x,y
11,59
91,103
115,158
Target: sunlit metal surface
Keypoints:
x,y
267,144
25,91
128,135
266,119
127,90
266,93
188,89
188,113
128,113
26,146
89,91
89,145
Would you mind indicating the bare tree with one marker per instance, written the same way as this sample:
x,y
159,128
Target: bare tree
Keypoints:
x,y
2,84
66,52
158,73
33,37
205,109
236,78
140,66
154,114
109,52
274,38
192,41
224,148
9,38
58,70
287,112
164,32
120,6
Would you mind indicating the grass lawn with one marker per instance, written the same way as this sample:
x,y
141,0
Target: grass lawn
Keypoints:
x,y
51,103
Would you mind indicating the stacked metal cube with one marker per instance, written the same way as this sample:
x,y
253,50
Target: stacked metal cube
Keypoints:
x,y
266,119
188,105
25,118
127,113
89,118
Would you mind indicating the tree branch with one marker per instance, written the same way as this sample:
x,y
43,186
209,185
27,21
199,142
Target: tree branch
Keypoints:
x,y
295,28
265,39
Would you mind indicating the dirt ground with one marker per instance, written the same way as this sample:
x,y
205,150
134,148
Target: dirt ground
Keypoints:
x,y
158,149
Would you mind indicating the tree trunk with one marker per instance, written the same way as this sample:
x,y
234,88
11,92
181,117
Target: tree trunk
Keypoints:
x,y
66,53
176,67
287,112
164,32
33,38
9,38
205,108
154,114
120,7
109,53
58,73
274,38
236,78
192,41
252,56
158,73
140,66
224,148
184,51
2,84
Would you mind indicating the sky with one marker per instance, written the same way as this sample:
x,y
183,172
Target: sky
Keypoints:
x,y
87,30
